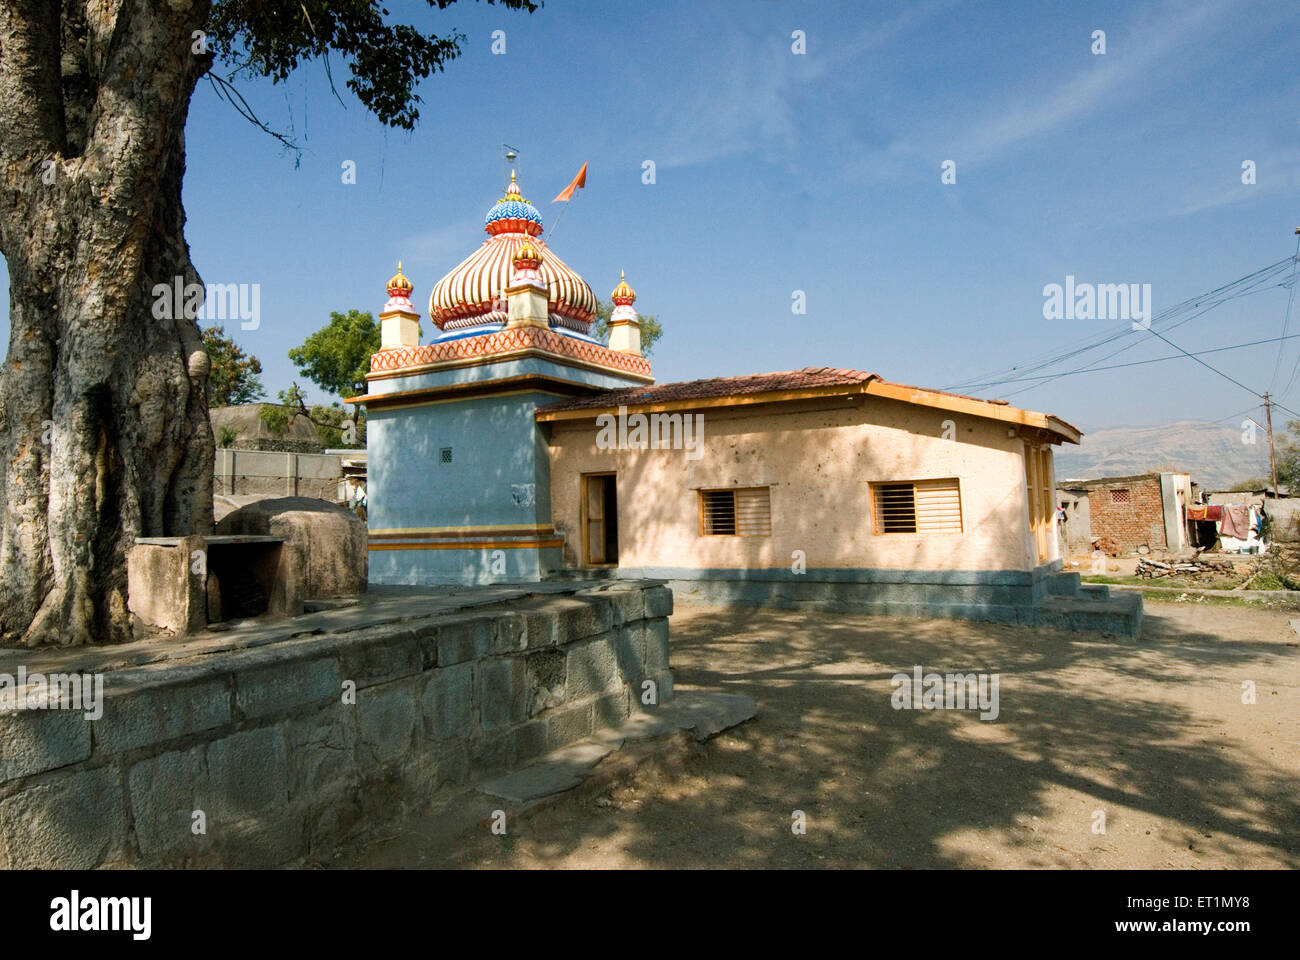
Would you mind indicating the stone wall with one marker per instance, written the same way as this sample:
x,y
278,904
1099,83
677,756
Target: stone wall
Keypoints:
x,y
266,745
288,473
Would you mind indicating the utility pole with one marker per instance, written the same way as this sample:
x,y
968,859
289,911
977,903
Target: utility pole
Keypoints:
x,y
1272,458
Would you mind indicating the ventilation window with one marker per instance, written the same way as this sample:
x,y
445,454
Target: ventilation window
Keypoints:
x,y
922,506
444,455
1120,496
745,512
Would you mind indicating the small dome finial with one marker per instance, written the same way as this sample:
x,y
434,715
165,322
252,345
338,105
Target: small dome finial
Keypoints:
x,y
623,295
398,285
528,254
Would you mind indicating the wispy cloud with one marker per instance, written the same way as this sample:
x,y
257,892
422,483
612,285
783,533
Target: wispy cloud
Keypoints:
x,y
747,91
1128,68
442,247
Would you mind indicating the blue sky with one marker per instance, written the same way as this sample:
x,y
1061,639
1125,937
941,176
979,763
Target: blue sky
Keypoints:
x,y
819,172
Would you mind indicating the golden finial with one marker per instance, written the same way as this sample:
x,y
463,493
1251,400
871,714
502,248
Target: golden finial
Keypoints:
x,y
399,282
623,294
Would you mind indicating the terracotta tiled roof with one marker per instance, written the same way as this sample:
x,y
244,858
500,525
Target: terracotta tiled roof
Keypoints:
x,y
808,377
757,384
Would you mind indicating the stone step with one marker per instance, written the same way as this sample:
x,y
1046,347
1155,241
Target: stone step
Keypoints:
x,y
1119,615
703,714
1094,591
584,573
1063,584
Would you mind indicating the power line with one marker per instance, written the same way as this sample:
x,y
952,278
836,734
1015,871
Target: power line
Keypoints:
x,y
1295,370
1203,363
1139,363
1167,319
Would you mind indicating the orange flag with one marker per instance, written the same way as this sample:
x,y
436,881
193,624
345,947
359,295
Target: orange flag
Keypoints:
x,y
579,181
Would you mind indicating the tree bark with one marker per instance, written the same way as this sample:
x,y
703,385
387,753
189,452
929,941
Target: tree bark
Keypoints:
x,y
103,406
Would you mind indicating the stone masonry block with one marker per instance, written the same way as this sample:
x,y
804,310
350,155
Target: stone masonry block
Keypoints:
x,y
545,680
274,840
584,618
651,693
150,715
382,658
463,640
446,704
665,679
556,621
658,602
629,651
541,624
35,740
656,646
76,822
285,686
165,791
494,752
590,668
567,724
385,723
511,633
249,772
321,750
502,691
609,710
627,603
530,740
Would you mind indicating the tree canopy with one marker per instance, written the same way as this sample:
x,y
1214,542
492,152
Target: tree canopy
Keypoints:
x,y
651,330
337,356
234,377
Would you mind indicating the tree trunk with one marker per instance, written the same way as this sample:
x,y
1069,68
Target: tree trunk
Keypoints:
x,y
103,406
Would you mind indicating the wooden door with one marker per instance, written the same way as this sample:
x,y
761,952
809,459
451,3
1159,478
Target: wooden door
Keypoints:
x,y
595,496
1038,481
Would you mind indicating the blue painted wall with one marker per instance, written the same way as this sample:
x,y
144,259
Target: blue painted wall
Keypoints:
x,y
499,474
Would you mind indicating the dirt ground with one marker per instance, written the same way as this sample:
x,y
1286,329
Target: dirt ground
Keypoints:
x,y
1153,734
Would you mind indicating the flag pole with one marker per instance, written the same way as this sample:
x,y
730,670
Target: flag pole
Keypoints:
x,y
566,197
551,231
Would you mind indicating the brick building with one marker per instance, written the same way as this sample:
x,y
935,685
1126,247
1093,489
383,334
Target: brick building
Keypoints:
x,y
1126,513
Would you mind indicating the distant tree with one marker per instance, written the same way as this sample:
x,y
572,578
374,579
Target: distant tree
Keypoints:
x,y
651,330
335,426
337,356
1259,483
234,376
1288,455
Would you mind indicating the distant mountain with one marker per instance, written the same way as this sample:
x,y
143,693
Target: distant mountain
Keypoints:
x,y
1213,453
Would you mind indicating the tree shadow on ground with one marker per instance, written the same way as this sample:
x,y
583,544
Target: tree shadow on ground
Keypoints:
x,y
1150,733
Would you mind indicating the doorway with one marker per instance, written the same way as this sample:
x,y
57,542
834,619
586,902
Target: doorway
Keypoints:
x,y
600,519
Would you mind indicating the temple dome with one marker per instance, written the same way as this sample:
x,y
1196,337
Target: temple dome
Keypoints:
x,y
473,293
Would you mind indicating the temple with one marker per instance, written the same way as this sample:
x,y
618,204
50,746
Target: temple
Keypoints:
x,y
515,446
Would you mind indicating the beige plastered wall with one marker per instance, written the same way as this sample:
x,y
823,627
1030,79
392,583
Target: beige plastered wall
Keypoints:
x,y
819,458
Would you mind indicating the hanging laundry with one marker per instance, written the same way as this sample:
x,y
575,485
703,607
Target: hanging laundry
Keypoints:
x,y
1209,511
1236,521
